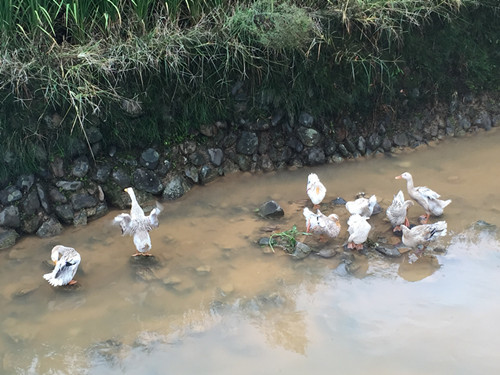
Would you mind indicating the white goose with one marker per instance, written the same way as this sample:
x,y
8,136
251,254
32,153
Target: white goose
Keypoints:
x,y
425,197
396,212
315,190
321,224
423,234
362,206
65,266
137,224
358,230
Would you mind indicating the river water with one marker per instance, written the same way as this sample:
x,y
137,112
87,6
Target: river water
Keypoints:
x,y
212,301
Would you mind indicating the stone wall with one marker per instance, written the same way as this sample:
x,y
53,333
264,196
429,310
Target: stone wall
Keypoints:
x,y
71,192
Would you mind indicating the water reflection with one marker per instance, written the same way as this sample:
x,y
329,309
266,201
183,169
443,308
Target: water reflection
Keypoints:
x,y
211,301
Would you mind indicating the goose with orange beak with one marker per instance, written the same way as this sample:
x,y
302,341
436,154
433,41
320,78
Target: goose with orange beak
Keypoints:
x,y
425,197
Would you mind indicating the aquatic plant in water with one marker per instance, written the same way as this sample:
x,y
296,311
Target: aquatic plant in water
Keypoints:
x,y
286,239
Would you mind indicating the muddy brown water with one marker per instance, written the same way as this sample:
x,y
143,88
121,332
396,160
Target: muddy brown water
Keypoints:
x,y
211,301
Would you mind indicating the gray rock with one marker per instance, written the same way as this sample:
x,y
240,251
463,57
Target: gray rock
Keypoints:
x,y
57,167
362,145
80,167
483,120
192,174
121,178
295,144
9,217
94,135
132,107
69,185
387,250
387,144
188,147
80,219
259,125
42,196
65,213
82,200
350,146
56,196
8,238
51,227
244,162
343,151
308,136
198,158
208,130
25,182
401,140
265,163
149,158
301,251
216,156
31,224
147,180
464,122
31,204
277,116
248,143
316,156
280,155
374,141
329,252
271,209
175,188
329,147
207,174
306,120
495,120
339,201
102,173
10,194
164,167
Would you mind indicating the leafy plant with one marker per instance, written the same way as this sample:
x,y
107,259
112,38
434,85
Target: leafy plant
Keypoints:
x,y
286,239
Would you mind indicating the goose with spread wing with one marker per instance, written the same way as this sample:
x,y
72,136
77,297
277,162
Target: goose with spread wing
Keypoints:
x,y
396,212
66,260
138,225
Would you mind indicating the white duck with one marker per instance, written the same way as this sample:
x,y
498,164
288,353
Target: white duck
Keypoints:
x,y
423,234
137,224
321,224
396,212
315,189
362,206
358,230
65,266
425,197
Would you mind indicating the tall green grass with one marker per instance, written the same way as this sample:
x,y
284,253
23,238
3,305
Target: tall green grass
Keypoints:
x,y
83,58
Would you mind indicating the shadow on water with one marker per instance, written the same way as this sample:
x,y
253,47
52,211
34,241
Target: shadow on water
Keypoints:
x,y
212,301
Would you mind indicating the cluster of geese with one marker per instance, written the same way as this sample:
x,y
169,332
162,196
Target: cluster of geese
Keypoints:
x,y
135,224
362,208
138,225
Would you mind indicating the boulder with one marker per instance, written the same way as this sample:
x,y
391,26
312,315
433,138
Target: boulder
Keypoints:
x,y
147,180
271,209
51,227
8,238
9,217
175,188
248,143
149,159
308,136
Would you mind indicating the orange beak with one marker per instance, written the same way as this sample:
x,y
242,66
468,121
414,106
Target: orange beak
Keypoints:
x,y
398,177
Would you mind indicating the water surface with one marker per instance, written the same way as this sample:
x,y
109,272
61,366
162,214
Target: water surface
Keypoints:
x,y
213,302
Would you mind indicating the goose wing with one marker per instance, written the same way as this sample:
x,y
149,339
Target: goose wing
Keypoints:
x,y
125,223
